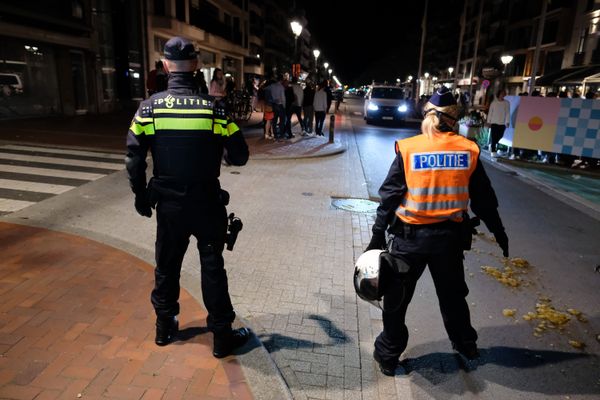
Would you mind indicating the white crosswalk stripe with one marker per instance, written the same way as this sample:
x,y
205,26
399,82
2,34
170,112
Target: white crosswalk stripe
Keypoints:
x,y
61,161
29,174
65,151
50,172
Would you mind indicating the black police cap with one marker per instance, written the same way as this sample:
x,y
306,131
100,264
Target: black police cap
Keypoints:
x,y
442,98
178,48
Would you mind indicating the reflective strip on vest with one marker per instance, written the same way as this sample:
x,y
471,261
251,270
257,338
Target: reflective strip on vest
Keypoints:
x,y
182,111
184,124
427,191
221,127
455,216
139,127
435,205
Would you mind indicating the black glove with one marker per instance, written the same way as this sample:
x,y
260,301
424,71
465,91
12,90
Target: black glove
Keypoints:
x,y
142,205
377,242
502,241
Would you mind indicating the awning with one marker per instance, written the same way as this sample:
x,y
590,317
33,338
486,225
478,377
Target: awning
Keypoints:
x,y
569,76
550,78
578,77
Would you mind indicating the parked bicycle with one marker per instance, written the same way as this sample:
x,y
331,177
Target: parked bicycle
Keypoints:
x,y
239,104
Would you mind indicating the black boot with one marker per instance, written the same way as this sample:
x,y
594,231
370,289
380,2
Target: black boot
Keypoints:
x,y
467,349
166,329
224,344
387,368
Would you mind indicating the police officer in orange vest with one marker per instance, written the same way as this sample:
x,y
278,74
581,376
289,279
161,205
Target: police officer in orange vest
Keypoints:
x,y
424,202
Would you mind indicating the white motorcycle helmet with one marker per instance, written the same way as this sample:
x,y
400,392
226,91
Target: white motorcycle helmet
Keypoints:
x,y
366,277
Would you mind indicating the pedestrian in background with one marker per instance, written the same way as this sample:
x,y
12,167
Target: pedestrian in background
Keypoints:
x,y
289,101
499,119
187,139
157,79
277,92
200,81
307,106
297,103
329,93
434,237
320,107
217,85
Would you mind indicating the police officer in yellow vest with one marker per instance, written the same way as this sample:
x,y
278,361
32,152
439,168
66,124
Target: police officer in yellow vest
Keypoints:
x,y
424,202
188,134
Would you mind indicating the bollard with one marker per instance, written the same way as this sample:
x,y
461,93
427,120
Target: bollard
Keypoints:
x,y
331,127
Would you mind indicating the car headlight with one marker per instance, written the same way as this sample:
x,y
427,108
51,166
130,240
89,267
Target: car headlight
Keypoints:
x,y
372,107
403,108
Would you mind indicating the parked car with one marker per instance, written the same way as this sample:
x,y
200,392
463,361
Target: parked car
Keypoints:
x,y
386,103
10,84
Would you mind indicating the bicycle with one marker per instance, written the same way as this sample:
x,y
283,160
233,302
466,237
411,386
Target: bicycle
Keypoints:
x,y
239,104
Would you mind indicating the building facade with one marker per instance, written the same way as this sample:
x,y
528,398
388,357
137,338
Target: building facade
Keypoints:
x,y
71,59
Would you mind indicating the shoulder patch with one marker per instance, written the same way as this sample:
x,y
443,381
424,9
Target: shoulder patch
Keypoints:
x,y
146,111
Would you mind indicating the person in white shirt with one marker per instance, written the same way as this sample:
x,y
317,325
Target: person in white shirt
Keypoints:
x,y
498,118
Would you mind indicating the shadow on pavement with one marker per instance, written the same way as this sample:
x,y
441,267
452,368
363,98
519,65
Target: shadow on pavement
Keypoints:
x,y
503,371
276,341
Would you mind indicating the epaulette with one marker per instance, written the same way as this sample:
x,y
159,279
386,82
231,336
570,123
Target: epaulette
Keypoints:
x,y
146,111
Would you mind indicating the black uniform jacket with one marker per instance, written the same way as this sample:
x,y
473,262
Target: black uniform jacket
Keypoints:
x,y
188,133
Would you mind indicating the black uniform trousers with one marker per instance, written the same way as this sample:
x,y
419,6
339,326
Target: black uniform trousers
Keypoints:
x,y
440,250
177,220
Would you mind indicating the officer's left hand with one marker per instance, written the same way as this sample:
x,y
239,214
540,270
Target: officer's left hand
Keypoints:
x,y
142,205
502,241
377,242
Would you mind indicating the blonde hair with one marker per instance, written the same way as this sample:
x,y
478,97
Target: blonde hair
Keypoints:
x,y
430,124
431,121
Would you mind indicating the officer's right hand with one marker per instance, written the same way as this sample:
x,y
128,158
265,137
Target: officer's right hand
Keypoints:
x,y
502,241
377,242
142,205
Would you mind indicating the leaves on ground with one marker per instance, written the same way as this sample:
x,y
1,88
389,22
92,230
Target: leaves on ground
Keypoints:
x,y
509,312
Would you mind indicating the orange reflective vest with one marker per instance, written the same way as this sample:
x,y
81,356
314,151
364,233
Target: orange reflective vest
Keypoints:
x,y
437,174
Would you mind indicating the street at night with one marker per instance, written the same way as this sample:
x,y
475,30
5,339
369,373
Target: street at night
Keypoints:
x,y
110,162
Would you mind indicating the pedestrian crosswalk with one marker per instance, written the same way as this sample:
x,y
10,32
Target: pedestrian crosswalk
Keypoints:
x,y
29,174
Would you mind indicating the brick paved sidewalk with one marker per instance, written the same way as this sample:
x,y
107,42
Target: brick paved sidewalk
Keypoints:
x,y
76,322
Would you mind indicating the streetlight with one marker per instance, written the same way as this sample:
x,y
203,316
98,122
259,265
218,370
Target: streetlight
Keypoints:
x,y
326,65
316,53
450,71
506,59
296,30
410,78
426,75
330,71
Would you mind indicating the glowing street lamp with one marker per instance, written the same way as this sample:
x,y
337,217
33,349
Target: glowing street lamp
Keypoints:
x,y
316,53
296,30
326,65
450,71
410,78
330,71
506,59
426,75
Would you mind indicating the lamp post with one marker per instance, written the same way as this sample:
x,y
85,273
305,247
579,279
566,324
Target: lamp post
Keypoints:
x,y
296,30
426,76
326,65
316,53
450,71
506,59
330,71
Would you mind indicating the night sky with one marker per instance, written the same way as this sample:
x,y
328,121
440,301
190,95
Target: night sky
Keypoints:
x,y
367,40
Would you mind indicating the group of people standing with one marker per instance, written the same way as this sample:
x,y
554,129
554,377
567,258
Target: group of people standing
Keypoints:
x,y
283,99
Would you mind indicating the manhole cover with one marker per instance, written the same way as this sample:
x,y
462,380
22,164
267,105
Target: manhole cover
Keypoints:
x,y
307,194
235,172
355,205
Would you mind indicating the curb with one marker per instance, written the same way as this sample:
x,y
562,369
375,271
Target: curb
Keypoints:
x,y
571,199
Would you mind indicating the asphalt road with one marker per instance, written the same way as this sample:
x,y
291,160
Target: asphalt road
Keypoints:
x,y
560,243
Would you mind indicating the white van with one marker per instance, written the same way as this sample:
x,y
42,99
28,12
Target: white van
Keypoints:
x,y
10,84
